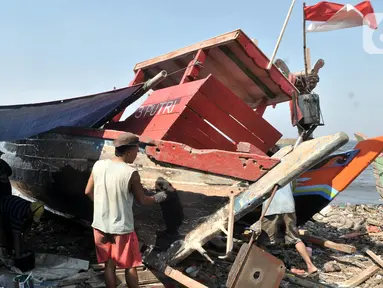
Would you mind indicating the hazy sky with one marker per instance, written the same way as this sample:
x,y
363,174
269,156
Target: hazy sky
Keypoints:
x,y
61,49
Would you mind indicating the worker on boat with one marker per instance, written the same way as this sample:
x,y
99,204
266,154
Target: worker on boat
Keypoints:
x,y
112,186
16,215
280,226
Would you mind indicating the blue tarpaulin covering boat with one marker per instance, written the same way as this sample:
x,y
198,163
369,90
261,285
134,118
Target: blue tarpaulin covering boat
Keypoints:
x,y
23,121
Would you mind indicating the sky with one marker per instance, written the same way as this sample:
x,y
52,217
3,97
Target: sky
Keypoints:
x,y
60,49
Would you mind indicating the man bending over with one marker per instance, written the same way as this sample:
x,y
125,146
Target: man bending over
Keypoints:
x,y
280,225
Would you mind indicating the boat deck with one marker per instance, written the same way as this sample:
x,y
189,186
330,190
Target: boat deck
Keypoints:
x,y
235,60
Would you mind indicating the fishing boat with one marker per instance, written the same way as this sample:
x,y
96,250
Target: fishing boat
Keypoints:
x,y
202,129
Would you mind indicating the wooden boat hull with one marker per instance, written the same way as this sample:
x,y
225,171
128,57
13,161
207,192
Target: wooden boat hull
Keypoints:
x,y
54,168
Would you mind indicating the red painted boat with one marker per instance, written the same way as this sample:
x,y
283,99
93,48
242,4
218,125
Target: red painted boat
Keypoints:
x,y
204,131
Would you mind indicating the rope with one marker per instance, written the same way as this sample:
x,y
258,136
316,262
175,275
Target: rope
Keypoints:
x,y
195,63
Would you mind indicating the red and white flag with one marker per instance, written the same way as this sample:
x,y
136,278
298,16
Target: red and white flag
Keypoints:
x,y
333,16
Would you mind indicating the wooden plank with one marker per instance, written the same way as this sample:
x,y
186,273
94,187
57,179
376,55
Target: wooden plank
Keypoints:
x,y
212,42
249,73
139,77
182,278
237,83
194,119
194,67
243,166
183,127
262,61
145,276
182,179
175,135
374,257
215,91
326,243
190,123
222,121
360,278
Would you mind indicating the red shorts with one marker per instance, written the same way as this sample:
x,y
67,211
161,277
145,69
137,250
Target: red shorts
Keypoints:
x,y
125,250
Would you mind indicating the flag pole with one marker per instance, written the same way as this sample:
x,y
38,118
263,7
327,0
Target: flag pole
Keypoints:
x,y
304,40
281,35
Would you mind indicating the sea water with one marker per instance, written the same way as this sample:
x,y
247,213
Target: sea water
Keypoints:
x,y
363,189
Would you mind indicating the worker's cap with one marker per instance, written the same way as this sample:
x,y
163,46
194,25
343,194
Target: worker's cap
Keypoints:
x,y
126,139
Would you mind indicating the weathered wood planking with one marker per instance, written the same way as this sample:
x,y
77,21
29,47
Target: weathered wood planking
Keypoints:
x,y
219,40
180,114
182,178
292,165
235,60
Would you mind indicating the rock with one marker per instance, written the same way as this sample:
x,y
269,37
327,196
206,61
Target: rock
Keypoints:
x,y
331,267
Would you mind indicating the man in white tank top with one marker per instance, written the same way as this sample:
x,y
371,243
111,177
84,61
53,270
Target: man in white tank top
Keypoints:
x,y
112,186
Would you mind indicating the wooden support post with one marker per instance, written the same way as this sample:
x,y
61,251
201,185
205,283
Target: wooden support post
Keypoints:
x,y
182,278
304,282
328,244
230,226
139,77
260,106
194,67
204,253
360,278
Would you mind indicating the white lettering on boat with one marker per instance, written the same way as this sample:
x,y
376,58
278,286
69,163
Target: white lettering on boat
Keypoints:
x,y
166,107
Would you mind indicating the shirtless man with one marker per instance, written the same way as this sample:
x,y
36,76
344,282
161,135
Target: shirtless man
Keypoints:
x,y
112,186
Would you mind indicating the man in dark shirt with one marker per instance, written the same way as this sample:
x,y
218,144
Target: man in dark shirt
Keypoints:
x,y
16,214
5,173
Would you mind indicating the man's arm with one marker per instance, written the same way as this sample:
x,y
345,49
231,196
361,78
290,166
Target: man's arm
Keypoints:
x,y
138,191
89,187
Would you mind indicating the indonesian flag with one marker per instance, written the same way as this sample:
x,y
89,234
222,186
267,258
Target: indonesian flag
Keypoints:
x,y
333,16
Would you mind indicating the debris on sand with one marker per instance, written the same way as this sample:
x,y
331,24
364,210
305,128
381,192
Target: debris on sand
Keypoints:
x,y
62,236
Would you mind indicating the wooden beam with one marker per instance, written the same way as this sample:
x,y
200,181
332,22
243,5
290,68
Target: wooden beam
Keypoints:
x,y
360,278
374,257
194,67
327,244
219,40
257,81
182,278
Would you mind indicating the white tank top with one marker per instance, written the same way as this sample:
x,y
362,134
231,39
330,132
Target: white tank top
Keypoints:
x,y
112,199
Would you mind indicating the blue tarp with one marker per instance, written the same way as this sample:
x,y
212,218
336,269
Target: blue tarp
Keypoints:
x,y
23,121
